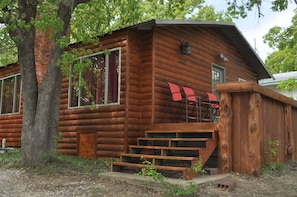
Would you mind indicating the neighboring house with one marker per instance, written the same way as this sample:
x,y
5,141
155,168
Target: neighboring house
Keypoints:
x,y
129,84
272,83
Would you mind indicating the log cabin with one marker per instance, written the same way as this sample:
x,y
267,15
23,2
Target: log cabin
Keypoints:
x,y
129,86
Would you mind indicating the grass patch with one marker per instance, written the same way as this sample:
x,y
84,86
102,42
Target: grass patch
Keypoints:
x,y
62,164
11,159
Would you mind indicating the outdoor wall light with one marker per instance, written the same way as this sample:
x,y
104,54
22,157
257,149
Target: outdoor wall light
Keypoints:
x,y
186,48
223,57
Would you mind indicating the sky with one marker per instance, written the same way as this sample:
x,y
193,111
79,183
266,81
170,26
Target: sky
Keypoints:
x,y
254,28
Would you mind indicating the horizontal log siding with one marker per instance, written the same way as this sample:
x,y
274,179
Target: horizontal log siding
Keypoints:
x,y
146,90
11,124
192,70
108,122
133,114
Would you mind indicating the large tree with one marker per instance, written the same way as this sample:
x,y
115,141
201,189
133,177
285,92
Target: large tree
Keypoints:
x,y
41,101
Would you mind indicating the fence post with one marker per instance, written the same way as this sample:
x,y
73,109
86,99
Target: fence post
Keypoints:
x,y
225,133
290,146
254,134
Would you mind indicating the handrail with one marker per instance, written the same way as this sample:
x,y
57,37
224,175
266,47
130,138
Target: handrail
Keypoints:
x,y
254,87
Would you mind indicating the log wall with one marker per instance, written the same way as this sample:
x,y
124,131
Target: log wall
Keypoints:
x,y
133,88
146,82
11,124
107,122
193,70
251,117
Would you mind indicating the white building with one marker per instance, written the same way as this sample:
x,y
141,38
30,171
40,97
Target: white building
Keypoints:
x,y
273,83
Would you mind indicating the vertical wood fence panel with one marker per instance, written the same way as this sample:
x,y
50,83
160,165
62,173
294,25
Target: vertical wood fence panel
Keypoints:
x,y
258,116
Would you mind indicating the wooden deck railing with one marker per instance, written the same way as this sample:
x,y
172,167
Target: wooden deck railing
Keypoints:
x,y
251,116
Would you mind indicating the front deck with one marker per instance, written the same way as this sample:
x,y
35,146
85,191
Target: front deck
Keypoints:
x,y
250,117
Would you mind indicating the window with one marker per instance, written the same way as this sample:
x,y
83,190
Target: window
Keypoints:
x,y
218,76
101,81
10,90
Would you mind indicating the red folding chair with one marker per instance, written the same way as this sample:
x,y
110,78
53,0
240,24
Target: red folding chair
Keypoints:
x,y
192,99
176,96
212,104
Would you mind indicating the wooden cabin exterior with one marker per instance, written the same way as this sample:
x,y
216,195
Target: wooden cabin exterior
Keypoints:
x,y
143,58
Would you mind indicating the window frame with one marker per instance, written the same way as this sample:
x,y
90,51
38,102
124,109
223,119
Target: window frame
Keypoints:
x,y
105,81
220,69
15,110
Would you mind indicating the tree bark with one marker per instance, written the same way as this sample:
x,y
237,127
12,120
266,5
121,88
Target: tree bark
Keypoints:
x,y
41,104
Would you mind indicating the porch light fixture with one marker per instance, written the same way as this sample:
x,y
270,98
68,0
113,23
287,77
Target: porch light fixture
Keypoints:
x,y
186,48
223,57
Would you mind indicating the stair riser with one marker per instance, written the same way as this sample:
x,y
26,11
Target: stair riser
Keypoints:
x,y
161,162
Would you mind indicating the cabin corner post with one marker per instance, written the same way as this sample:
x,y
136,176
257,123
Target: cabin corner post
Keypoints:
x,y
290,145
225,133
254,141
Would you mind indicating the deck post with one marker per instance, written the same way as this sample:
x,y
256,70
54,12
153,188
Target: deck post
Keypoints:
x,y
290,146
254,164
225,133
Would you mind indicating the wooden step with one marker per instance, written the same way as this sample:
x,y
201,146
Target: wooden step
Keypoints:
x,y
118,167
181,131
159,160
159,157
185,126
165,150
174,148
180,134
173,142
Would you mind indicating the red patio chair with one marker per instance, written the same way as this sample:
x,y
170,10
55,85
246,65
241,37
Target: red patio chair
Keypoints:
x,y
212,104
176,96
192,99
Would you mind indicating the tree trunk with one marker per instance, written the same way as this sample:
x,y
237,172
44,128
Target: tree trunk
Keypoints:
x,y
41,104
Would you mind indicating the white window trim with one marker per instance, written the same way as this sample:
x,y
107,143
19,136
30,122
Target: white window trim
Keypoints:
x,y
106,81
218,67
14,95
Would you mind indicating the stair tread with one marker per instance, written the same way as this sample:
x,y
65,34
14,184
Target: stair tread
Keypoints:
x,y
173,139
180,131
159,156
165,147
162,131
174,168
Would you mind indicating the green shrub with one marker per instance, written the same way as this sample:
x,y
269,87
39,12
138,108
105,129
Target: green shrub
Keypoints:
x,y
172,190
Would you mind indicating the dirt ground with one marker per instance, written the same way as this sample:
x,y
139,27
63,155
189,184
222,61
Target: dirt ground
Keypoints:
x,y
25,183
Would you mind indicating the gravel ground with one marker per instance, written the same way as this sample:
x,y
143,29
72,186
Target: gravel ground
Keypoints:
x,y
25,183
22,183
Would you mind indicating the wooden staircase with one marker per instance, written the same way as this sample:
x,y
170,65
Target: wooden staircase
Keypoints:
x,y
172,148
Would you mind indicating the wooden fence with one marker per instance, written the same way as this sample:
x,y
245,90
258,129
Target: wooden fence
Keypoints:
x,y
253,119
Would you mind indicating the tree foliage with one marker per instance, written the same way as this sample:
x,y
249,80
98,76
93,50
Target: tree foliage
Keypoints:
x,y
283,59
8,50
240,8
105,16
284,42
